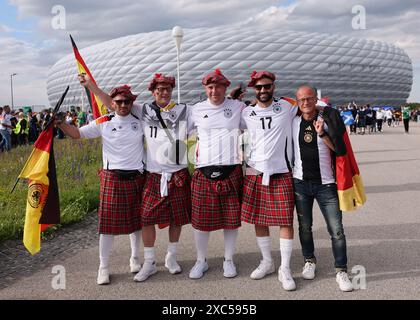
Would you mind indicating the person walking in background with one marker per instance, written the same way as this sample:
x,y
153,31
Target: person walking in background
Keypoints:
x,y
6,129
406,111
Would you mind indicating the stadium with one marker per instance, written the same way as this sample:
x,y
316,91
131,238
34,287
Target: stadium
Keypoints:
x,y
343,68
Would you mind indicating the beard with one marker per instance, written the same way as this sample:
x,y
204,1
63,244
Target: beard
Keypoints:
x,y
265,96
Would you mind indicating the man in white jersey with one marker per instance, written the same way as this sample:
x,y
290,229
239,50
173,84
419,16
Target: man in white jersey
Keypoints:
x,y
314,180
216,186
121,178
268,198
167,191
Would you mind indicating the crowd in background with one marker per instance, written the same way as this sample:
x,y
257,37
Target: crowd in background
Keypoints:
x,y
367,120
18,127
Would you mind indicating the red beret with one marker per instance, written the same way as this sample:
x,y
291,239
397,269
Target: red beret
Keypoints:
x,y
160,78
125,91
215,77
255,76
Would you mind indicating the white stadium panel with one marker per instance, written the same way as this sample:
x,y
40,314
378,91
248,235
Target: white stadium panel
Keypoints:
x,y
345,69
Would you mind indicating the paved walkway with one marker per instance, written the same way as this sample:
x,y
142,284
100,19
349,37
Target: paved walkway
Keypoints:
x,y
383,237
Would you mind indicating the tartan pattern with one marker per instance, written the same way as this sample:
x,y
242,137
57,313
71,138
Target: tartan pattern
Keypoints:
x,y
120,203
216,204
174,209
271,205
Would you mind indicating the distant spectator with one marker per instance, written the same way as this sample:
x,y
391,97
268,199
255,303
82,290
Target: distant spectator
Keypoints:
x,y
406,118
81,117
6,128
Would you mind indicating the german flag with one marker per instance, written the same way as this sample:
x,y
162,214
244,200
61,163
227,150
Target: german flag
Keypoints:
x,y
351,192
98,108
43,204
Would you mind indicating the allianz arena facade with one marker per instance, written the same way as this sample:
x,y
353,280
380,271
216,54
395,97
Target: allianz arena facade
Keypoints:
x,y
344,69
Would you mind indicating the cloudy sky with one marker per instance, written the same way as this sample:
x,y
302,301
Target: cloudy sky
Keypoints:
x,y
30,44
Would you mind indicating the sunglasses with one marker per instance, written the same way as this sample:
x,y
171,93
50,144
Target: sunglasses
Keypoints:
x,y
267,86
163,89
120,102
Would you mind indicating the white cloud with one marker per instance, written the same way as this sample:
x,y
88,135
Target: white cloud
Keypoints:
x,y
91,22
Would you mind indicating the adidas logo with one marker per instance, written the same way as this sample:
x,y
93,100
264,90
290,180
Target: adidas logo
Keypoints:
x,y
309,128
206,116
252,113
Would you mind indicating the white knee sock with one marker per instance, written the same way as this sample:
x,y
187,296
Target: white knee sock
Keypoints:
x,y
135,239
264,243
105,246
286,248
172,246
149,254
201,243
230,242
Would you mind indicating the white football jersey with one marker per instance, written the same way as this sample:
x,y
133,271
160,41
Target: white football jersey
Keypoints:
x,y
218,131
268,137
166,149
122,141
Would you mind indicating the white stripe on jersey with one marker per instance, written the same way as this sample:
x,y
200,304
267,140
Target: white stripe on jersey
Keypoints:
x,y
218,132
324,153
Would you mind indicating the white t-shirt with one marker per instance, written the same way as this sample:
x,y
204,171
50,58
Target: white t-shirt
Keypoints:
x,y
218,131
380,115
268,142
122,141
5,118
165,153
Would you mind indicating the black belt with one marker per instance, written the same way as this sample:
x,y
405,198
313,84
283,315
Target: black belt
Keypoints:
x,y
217,172
126,174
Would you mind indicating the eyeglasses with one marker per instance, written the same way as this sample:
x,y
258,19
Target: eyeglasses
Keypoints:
x,y
267,86
309,99
163,89
120,102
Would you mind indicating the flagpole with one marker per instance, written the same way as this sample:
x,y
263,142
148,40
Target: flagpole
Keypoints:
x,y
56,108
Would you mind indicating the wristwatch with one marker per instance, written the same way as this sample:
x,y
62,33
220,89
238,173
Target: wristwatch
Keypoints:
x,y
322,135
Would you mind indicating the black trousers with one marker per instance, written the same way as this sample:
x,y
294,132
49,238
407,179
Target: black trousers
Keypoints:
x,y
406,124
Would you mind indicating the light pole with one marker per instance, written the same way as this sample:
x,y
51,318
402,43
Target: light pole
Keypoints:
x,y
177,33
11,86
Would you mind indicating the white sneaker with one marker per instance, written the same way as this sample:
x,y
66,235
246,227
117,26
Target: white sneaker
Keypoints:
x,y
103,276
171,264
262,270
285,277
198,270
148,269
135,265
308,271
343,281
229,269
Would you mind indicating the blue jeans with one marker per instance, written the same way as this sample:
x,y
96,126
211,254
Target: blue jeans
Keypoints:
x,y
327,198
7,140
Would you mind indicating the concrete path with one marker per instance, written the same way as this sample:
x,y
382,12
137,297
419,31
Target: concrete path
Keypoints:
x,y
383,238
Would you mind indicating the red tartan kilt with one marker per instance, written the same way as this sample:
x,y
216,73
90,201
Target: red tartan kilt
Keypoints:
x,y
174,209
216,204
271,205
120,203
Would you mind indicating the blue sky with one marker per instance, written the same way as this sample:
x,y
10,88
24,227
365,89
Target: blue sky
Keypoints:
x,y
30,46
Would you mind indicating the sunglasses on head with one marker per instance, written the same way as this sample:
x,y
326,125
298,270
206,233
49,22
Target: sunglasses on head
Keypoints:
x,y
120,102
267,86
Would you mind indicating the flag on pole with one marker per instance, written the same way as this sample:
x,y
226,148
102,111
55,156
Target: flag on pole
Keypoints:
x,y
42,205
98,108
